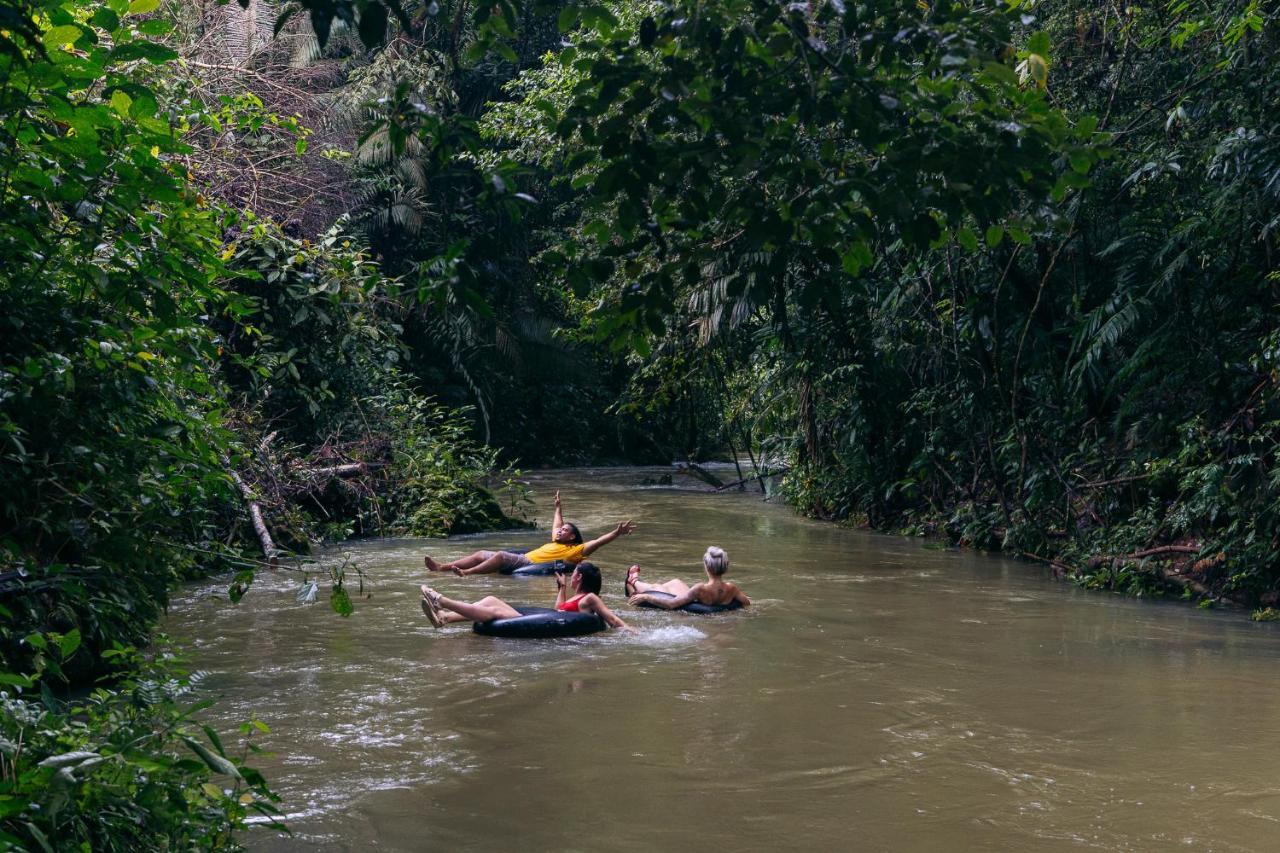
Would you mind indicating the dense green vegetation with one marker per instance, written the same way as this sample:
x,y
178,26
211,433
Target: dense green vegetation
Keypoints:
x,y
160,350
1024,305
999,272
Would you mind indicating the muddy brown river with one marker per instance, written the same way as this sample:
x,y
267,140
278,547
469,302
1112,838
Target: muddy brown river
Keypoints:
x,y
881,694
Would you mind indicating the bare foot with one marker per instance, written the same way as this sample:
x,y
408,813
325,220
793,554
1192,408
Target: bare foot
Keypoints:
x,y
432,565
431,605
629,585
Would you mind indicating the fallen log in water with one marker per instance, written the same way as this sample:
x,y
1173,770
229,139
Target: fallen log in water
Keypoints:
x,y
701,473
757,476
269,548
1172,574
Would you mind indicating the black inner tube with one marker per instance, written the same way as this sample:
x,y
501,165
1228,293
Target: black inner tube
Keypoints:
x,y
536,623
538,569
692,606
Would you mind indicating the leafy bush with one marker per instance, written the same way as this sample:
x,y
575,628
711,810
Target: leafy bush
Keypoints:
x,y
437,480
124,767
319,329
110,428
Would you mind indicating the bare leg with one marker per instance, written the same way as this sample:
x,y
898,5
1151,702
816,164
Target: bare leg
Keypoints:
x,y
675,586
489,607
443,611
466,562
480,567
461,562
470,560
634,585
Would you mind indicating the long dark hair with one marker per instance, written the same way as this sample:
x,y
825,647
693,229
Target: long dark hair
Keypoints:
x,y
589,578
577,534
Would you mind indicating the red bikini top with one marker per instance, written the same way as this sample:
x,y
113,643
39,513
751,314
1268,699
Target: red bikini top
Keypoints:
x,y
572,604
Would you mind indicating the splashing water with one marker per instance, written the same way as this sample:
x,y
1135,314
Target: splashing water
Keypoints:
x,y
676,635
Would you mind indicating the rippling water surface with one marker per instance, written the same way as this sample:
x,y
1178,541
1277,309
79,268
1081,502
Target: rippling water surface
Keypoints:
x,y
880,695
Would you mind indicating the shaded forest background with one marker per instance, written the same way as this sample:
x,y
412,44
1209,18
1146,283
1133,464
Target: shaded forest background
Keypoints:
x,y
1000,273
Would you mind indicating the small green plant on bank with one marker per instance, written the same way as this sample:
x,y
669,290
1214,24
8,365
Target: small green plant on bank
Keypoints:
x,y
519,502
1266,614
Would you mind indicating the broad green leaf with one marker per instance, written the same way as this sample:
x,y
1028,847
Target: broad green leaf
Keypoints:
x,y
212,760
120,102
1040,43
69,642
62,35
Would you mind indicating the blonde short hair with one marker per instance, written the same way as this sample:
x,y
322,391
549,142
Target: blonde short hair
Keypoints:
x,y
716,561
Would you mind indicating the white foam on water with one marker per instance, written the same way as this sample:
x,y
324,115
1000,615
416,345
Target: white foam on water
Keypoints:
x,y
675,635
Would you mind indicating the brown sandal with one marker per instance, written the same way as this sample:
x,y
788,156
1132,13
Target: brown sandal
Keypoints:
x,y
431,606
629,582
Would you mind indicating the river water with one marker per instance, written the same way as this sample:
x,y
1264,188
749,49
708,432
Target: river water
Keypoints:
x,y
881,694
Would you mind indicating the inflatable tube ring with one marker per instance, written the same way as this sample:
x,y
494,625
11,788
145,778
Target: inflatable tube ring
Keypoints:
x,y
541,569
538,623
692,606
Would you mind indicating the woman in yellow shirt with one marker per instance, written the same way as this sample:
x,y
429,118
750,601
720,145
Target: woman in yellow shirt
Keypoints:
x,y
566,546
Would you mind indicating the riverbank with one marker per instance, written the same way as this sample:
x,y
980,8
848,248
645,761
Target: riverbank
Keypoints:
x,y
1125,557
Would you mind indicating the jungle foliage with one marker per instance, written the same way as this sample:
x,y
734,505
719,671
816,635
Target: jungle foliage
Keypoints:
x,y
154,343
1097,390
997,271
1001,273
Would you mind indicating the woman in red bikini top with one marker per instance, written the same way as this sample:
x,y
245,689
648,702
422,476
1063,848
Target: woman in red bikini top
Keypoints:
x,y
585,581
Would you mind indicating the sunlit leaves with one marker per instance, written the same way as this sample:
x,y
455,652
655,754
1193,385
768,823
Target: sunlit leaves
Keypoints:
x,y
1033,67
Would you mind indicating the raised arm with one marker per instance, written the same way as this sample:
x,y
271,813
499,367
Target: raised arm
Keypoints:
x,y
622,529
557,520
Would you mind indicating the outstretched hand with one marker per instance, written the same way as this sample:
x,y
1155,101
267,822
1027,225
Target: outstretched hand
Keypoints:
x,y
625,527
556,500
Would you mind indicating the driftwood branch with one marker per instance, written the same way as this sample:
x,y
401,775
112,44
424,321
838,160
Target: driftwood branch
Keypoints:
x,y
1179,579
1168,574
1060,569
1150,552
350,469
1174,576
702,474
255,515
760,475
1118,481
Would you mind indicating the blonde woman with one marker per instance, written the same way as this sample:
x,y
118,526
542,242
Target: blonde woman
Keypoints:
x,y
711,595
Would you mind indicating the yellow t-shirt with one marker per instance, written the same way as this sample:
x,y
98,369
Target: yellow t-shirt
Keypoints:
x,y
553,551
